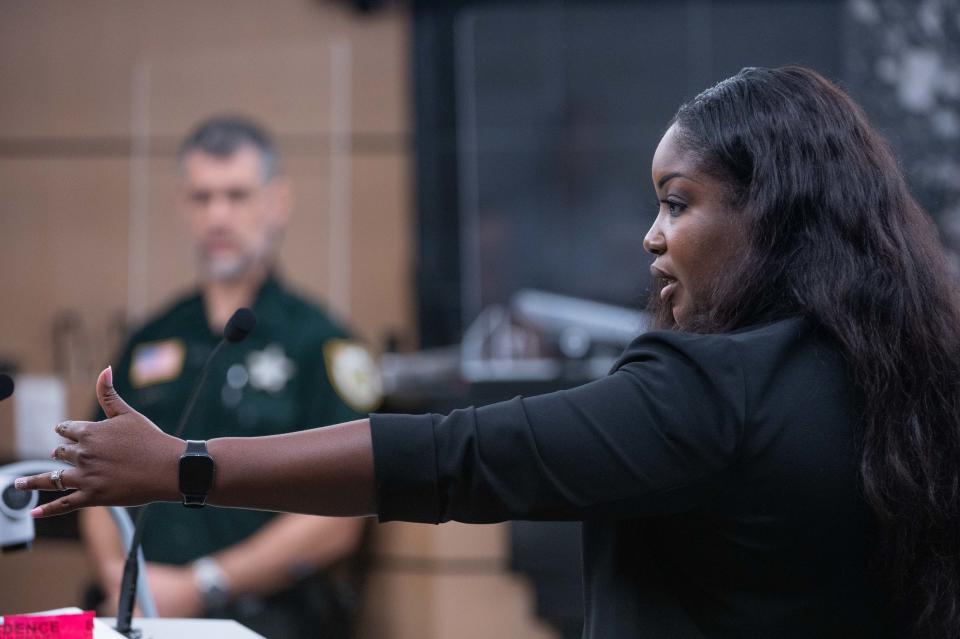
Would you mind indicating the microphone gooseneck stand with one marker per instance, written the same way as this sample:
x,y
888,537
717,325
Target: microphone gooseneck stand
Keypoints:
x,y
240,324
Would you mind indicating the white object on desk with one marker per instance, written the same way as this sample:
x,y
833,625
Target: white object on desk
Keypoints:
x,y
39,404
157,628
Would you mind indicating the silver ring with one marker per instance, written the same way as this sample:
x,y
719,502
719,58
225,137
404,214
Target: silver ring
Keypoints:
x,y
55,478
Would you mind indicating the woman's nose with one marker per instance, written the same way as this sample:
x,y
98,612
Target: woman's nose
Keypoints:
x,y
653,241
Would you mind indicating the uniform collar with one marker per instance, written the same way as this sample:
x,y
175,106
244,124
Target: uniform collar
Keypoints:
x,y
270,290
267,295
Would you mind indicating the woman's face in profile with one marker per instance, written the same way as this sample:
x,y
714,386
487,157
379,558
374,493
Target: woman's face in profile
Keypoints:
x,y
694,236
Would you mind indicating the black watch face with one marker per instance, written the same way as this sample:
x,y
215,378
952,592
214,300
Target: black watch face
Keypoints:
x,y
196,474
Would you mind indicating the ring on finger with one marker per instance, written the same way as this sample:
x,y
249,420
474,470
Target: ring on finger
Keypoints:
x,y
57,481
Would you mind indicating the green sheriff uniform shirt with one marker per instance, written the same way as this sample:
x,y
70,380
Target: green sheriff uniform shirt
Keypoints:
x,y
298,369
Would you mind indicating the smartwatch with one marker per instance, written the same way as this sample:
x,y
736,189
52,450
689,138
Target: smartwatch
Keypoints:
x,y
196,474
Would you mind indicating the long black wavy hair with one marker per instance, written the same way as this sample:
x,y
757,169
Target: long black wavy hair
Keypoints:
x,y
834,235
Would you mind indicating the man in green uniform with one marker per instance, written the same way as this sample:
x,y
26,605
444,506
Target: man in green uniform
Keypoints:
x,y
298,369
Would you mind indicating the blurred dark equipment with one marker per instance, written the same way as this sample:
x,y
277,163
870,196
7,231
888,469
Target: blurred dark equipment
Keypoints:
x,y
6,386
16,525
366,6
538,343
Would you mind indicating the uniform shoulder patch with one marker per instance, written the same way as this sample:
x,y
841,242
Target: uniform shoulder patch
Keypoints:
x,y
157,362
353,374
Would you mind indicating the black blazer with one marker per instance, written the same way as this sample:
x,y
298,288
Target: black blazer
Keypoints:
x,y
716,476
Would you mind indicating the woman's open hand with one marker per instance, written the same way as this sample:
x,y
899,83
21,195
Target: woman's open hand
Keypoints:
x,y
124,460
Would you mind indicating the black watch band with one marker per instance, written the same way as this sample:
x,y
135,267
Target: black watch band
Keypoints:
x,y
196,474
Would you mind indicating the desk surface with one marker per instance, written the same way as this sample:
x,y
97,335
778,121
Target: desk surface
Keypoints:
x,y
188,628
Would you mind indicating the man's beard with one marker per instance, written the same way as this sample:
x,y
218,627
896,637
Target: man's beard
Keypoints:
x,y
237,266
226,269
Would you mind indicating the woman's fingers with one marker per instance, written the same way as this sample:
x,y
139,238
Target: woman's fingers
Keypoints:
x,y
66,453
120,461
71,430
61,506
60,479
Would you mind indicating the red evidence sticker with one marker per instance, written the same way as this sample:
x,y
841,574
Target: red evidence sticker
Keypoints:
x,y
70,626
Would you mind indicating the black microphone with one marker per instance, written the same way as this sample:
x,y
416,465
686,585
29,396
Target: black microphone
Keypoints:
x,y
240,324
6,386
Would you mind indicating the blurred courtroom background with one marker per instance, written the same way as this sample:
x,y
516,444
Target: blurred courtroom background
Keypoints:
x,y
445,156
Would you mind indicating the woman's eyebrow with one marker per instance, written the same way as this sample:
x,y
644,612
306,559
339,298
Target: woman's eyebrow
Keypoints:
x,y
669,176
666,178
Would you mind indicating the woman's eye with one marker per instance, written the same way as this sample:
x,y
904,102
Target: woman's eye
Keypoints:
x,y
674,208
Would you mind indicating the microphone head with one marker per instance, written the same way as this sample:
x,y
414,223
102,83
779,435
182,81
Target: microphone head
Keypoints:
x,y
240,324
6,386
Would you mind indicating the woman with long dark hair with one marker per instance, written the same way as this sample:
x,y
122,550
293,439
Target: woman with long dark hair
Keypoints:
x,y
779,460
835,236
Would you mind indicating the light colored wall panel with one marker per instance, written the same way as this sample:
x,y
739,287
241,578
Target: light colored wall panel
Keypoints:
x,y
63,245
67,68
485,605
382,76
304,257
464,606
285,85
383,237
52,575
397,606
401,542
162,264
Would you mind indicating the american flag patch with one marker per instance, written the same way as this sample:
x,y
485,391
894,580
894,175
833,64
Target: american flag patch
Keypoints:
x,y
156,362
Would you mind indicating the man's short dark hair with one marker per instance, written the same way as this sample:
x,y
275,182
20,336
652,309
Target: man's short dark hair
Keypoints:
x,y
222,136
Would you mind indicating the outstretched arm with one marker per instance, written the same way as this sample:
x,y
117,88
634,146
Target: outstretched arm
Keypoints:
x,y
126,460
324,471
658,435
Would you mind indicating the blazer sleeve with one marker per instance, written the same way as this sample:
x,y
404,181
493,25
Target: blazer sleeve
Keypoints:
x,y
655,436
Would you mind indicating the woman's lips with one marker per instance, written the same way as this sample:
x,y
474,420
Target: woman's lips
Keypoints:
x,y
668,290
670,283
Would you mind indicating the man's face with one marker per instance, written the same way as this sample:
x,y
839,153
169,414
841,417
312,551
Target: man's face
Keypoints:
x,y
236,218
